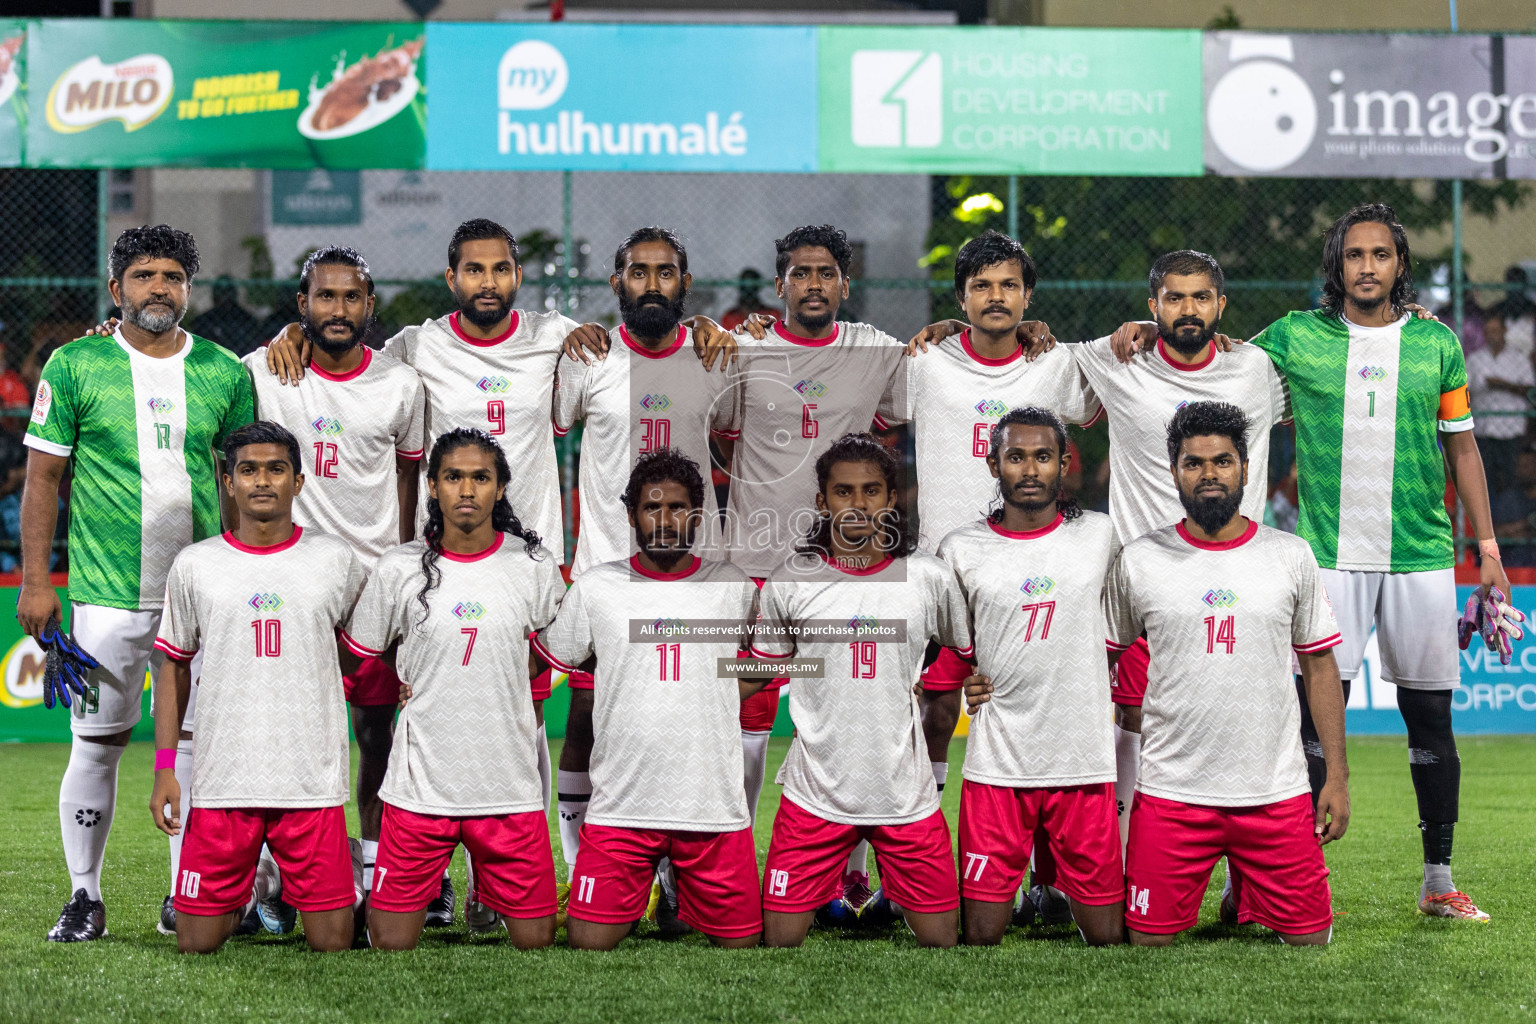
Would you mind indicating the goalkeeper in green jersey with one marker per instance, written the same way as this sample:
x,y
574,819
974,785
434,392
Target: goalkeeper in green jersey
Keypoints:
x,y
1381,410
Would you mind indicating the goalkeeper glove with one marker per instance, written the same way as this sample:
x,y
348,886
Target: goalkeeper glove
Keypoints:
x,y
1497,621
65,666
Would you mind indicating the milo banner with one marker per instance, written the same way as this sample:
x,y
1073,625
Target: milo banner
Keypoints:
x,y
225,94
13,91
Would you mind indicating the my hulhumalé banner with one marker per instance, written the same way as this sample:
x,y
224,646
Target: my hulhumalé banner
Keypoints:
x,y
13,91
125,93
1010,100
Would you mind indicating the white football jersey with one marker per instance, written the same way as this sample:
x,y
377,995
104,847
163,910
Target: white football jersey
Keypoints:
x,y
350,429
466,743
666,728
634,401
793,398
858,756
271,715
1220,723
954,397
505,387
1037,622
1141,396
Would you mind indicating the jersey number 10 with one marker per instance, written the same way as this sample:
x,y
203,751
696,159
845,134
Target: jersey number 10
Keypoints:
x,y
269,637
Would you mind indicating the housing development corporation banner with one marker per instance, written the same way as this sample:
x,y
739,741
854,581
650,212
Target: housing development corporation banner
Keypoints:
x,y
1493,698
136,93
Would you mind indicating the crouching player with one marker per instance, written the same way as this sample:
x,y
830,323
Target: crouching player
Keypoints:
x,y
666,748
1041,754
858,767
263,604
452,612
1224,601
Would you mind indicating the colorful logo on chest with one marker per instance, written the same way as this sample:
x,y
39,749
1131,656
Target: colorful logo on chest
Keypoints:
x,y
810,389
655,403
468,610
327,426
667,627
1372,374
991,408
493,385
1037,586
861,622
1219,598
161,406
265,602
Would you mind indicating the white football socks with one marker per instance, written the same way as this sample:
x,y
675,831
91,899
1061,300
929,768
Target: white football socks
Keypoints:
x,y
574,790
1127,767
87,798
183,779
940,773
754,752
370,857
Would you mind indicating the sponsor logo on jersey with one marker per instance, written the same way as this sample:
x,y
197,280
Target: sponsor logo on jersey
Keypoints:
x,y
810,388
160,406
1181,405
859,622
1219,598
1373,373
1038,586
265,602
669,627
134,91
493,385
991,408
655,403
469,610
43,405
327,426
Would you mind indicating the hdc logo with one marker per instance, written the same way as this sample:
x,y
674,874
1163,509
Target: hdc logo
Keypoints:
x,y
897,98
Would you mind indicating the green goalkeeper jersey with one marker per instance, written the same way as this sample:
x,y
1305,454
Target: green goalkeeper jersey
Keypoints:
x,y
141,433
1367,403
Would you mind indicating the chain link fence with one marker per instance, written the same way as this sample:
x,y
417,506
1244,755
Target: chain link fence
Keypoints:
x,y
1093,239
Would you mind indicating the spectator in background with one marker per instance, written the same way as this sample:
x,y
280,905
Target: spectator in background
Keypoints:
x,y
1512,509
748,301
1499,378
15,395
1518,311
13,474
227,323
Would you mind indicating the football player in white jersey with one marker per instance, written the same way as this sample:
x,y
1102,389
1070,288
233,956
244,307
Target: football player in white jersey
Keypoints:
x,y
1224,602
650,392
1040,757
272,749
860,598
361,415
454,611
666,762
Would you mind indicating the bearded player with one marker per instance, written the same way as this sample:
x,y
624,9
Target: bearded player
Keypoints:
x,y
666,757
1040,759
857,768
272,746
138,414
1224,601
454,611
361,416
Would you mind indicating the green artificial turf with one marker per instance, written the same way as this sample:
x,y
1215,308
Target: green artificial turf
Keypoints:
x,y
1386,962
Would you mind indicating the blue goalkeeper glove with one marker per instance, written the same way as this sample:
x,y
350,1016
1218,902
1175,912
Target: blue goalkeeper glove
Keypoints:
x,y
65,666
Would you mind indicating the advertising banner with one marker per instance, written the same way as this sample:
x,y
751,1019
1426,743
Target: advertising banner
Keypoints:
x,y
1370,106
13,91
622,98
1010,100
225,94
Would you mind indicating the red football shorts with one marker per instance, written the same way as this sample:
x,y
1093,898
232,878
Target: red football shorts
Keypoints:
x,y
576,680
220,846
514,868
947,673
807,855
1173,846
716,877
997,832
374,684
1130,686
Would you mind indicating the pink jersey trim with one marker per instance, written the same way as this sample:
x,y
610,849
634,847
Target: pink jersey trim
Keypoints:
x,y
453,321
1319,646
1025,534
1096,417
414,456
642,350
172,651
681,574
352,374
752,650
357,648
729,435
868,570
559,432
271,549
965,343
486,553
800,339
543,652
1162,350
1224,545
879,422
1112,646
965,653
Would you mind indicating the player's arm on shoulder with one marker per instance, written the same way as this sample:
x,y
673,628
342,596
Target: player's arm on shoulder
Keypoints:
x,y
567,641
288,354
